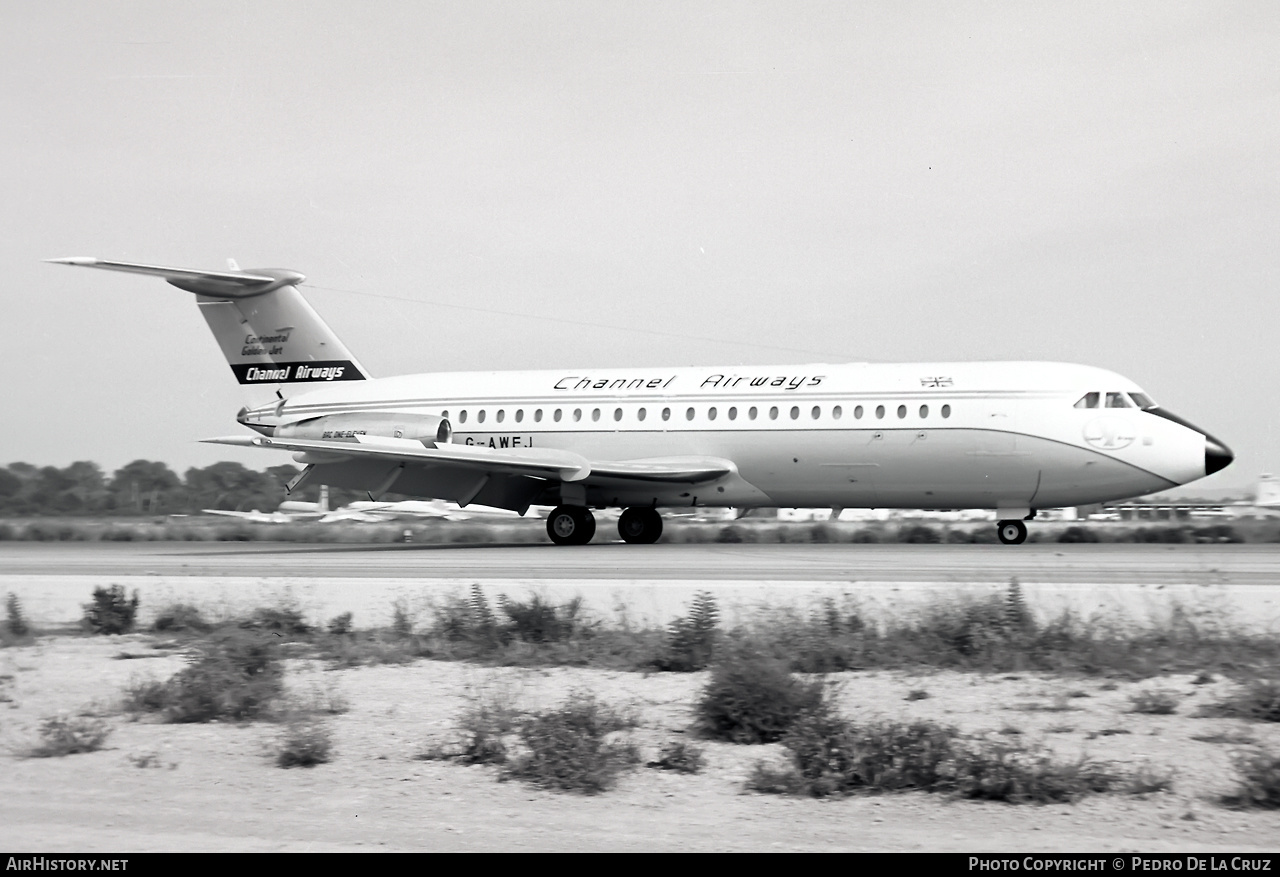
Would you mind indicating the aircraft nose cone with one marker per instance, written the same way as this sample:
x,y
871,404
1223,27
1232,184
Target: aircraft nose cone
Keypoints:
x,y
1217,456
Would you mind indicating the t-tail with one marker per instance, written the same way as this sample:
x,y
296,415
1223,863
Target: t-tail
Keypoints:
x,y
266,329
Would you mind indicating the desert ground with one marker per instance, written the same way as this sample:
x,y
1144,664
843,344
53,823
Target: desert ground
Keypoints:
x,y
216,786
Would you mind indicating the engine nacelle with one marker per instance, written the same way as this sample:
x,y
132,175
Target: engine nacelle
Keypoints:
x,y
426,428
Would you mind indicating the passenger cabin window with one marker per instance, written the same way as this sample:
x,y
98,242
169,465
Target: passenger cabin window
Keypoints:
x,y
1118,400
946,410
480,416
733,413
462,416
1088,400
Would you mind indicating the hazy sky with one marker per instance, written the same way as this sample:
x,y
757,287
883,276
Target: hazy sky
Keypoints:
x,y
477,185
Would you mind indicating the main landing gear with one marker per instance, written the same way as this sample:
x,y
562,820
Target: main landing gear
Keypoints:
x,y
571,525
575,525
1012,532
640,526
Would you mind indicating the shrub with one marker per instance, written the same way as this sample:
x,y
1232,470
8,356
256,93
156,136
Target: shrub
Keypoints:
x,y
691,641
181,617
919,534
1258,699
830,756
752,698
1155,702
236,675
993,771
340,625
1075,534
486,723
1258,780
304,744
15,622
679,756
401,623
730,534
539,621
285,620
568,748
62,735
110,612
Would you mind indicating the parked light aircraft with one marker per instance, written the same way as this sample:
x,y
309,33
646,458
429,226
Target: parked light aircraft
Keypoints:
x,y
293,512
1008,436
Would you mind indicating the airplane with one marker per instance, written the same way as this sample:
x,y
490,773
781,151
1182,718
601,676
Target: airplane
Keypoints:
x,y
1013,437
289,511
416,509
293,511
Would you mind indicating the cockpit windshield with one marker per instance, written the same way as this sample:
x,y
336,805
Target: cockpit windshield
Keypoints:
x,y
1116,400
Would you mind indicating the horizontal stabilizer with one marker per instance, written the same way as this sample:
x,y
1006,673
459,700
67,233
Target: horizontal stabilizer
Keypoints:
x,y
268,332
229,284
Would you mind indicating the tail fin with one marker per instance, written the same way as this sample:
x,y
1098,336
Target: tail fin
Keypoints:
x,y
266,329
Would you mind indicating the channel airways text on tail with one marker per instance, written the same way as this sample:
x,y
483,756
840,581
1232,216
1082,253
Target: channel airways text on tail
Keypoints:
x,y
1008,436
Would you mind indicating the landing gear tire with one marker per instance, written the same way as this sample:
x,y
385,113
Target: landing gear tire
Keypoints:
x,y
1012,532
571,525
640,526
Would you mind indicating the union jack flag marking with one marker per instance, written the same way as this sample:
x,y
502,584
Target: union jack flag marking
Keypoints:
x,y
935,382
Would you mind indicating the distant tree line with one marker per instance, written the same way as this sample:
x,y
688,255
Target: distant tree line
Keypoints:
x,y
146,487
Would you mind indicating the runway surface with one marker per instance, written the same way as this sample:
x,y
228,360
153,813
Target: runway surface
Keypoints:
x,y
1049,562
654,583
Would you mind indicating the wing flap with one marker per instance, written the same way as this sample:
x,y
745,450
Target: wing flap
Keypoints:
x,y
536,462
687,470
539,463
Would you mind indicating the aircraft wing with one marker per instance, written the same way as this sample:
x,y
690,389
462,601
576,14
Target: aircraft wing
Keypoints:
x,y
539,463
535,462
543,464
254,516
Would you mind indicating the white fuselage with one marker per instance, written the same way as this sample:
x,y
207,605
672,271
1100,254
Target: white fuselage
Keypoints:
x,y
999,435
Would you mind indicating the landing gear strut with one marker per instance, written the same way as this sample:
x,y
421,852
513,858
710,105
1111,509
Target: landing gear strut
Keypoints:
x,y
1012,532
640,526
571,525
